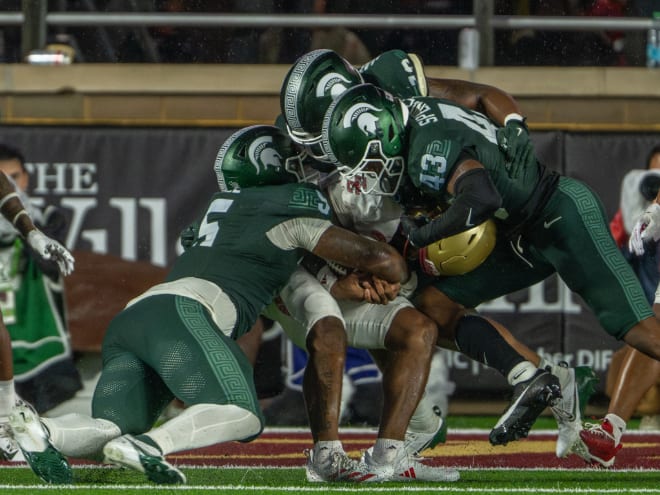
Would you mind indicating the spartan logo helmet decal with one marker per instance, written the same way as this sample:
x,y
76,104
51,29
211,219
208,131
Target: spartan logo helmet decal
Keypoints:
x,y
262,154
332,84
367,122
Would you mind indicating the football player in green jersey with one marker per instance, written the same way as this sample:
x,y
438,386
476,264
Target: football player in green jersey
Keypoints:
x,y
318,77
178,338
547,223
376,319
310,86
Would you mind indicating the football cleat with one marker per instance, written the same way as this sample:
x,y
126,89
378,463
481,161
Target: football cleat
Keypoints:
x,y
8,446
339,467
415,442
600,443
529,400
129,452
577,387
650,423
406,467
33,439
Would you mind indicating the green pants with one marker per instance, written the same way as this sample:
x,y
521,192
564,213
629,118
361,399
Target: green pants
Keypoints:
x,y
164,347
571,237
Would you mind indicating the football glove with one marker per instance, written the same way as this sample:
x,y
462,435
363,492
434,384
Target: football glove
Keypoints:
x,y
50,249
646,230
410,223
513,139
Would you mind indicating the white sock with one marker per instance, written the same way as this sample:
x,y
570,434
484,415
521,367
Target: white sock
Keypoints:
x,y
424,419
562,373
202,425
618,424
7,397
385,450
324,449
521,372
79,435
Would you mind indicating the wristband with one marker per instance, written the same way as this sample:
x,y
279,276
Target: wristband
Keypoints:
x,y
514,116
326,277
19,214
7,197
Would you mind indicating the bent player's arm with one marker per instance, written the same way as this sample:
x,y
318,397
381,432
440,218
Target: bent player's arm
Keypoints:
x,y
476,199
350,249
12,208
489,100
342,246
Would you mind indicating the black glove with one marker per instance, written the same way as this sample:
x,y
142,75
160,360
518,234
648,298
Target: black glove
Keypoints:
x,y
410,223
188,237
514,140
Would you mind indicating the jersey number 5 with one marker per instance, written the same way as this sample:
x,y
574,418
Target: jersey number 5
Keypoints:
x,y
210,226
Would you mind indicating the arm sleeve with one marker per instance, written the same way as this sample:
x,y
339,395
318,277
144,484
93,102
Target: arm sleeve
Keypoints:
x,y
475,202
299,232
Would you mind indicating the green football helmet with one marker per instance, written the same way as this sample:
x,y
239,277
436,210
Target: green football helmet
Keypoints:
x,y
257,156
309,87
363,135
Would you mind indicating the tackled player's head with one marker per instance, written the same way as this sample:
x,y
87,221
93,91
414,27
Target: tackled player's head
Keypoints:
x,y
363,135
463,252
309,88
257,156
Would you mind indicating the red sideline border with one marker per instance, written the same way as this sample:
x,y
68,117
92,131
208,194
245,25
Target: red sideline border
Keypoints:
x,y
463,449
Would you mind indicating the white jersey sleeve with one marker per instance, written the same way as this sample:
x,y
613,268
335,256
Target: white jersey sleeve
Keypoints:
x,y
300,232
367,214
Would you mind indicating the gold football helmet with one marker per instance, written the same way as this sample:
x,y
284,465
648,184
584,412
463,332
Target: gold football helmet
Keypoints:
x,y
463,252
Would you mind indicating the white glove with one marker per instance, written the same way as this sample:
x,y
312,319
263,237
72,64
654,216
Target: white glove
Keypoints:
x,y
50,249
646,229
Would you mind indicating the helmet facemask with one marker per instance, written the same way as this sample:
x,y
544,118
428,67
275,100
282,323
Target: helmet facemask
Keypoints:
x,y
312,144
376,173
363,134
310,86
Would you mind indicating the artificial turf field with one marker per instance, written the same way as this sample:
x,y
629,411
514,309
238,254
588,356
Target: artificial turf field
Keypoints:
x,y
272,464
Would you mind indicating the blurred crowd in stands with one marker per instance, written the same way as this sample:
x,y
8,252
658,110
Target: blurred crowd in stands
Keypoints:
x,y
284,45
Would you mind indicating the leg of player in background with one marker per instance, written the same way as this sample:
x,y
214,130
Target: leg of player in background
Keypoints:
x,y
490,343
8,446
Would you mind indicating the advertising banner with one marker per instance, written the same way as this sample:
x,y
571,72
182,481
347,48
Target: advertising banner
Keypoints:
x,y
130,191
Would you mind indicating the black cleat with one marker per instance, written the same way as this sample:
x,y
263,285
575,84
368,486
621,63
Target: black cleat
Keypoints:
x,y
529,400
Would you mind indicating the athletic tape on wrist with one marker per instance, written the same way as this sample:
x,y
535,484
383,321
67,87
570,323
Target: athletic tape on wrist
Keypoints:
x,y
326,277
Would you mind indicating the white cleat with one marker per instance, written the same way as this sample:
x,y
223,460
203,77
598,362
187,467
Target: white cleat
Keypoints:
x,y
8,446
129,452
33,439
407,468
577,386
339,467
415,442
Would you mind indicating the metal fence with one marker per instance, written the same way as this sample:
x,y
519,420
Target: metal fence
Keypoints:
x,y
35,19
